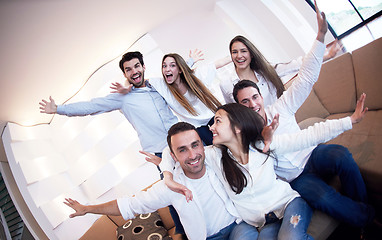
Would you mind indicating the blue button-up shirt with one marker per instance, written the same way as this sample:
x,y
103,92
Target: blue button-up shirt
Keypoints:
x,y
143,107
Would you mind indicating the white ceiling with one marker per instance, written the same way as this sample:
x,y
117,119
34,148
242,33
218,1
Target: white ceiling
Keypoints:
x,y
50,47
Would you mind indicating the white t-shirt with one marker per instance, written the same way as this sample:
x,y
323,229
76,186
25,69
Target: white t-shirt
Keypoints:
x,y
212,205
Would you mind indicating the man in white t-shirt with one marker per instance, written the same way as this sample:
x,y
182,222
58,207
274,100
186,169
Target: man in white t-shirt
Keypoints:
x,y
210,215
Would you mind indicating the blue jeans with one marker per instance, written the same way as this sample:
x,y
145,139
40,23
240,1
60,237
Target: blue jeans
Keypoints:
x,y
294,224
242,231
328,160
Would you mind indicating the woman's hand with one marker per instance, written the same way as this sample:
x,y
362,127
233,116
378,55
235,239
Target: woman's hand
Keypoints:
x,y
268,132
177,187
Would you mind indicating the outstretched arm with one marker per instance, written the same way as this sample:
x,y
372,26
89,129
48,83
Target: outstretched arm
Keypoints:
x,y
48,107
109,208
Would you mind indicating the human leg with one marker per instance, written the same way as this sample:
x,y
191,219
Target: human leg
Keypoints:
x,y
331,160
270,231
244,231
296,220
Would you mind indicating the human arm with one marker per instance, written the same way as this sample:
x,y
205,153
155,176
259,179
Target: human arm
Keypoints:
x,y
167,165
177,187
222,62
119,88
108,208
95,106
319,132
48,107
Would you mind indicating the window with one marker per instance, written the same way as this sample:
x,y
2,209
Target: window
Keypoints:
x,y
346,16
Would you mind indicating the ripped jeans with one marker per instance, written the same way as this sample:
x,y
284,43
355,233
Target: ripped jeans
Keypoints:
x,y
294,225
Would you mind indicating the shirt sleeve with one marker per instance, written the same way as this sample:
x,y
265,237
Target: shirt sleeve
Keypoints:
x,y
206,73
296,94
284,69
95,106
313,135
156,197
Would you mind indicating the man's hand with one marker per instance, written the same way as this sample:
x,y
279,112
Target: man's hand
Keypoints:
x,y
79,208
119,88
360,111
151,158
48,107
322,24
268,132
196,55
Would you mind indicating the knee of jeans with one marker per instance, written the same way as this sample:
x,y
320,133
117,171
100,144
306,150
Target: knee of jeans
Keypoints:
x,y
294,220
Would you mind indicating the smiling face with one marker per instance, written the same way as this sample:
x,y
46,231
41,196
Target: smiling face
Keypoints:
x,y
222,131
240,55
251,98
170,70
134,72
188,150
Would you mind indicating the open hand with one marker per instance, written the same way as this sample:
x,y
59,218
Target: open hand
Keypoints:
x,y
268,132
151,158
360,111
48,107
79,208
119,88
196,55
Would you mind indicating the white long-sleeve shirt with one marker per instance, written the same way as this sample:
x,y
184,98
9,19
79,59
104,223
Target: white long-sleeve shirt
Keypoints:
x,y
290,165
191,214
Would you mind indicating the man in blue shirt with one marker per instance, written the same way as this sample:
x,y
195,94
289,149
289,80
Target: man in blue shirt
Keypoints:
x,y
145,109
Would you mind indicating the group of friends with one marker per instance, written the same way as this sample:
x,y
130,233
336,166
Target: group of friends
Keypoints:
x,y
239,170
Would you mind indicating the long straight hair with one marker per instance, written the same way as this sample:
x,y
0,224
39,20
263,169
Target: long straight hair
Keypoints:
x,y
194,84
251,125
260,64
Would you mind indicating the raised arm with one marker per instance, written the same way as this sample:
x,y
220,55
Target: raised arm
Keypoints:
x,y
48,107
109,208
322,24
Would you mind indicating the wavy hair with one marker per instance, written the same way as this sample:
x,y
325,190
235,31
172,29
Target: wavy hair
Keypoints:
x,y
260,64
194,84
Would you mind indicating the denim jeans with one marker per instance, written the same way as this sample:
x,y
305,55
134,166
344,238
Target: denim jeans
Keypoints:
x,y
328,160
242,231
293,225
